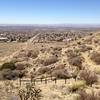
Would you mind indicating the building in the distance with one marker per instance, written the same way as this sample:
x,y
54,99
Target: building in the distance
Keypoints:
x,y
3,39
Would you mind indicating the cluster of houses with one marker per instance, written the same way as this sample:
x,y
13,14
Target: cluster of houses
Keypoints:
x,y
3,39
15,36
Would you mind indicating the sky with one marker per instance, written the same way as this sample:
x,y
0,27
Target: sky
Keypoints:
x,y
49,11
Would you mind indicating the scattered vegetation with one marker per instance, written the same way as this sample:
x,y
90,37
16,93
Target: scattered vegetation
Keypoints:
x,y
49,60
30,93
74,58
55,55
43,70
8,65
89,96
89,76
59,66
76,61
75,86
84,48
60,73
10,71
22,65
72,53
32,53
95,56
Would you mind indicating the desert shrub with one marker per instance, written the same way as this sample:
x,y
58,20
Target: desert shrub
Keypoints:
x,y
16,72
8,74
88,40
8,65
32,53
89,76
21,65
65,72
95,56
73,71
57,49
72,53
49,60
75,86
76,61
43,70
21,74
21,53
60,66
61,74
74,58
89,96
43,50
84,48
97,70
30,93
79,43
20,59
96,40
10,71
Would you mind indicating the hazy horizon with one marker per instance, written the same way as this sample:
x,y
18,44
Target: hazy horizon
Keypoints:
x,y
51,24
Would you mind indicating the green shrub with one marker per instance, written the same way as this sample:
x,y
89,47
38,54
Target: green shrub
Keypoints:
x,y
8,65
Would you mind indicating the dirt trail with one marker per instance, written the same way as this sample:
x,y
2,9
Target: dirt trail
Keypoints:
x,y
30,41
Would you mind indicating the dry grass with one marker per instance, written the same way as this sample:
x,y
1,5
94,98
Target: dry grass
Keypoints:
x,y
7,49
89,96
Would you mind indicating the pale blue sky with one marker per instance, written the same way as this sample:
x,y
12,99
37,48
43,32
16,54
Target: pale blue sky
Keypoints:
x,y
49,11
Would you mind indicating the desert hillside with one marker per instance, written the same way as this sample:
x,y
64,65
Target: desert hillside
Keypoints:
x,y
74,57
